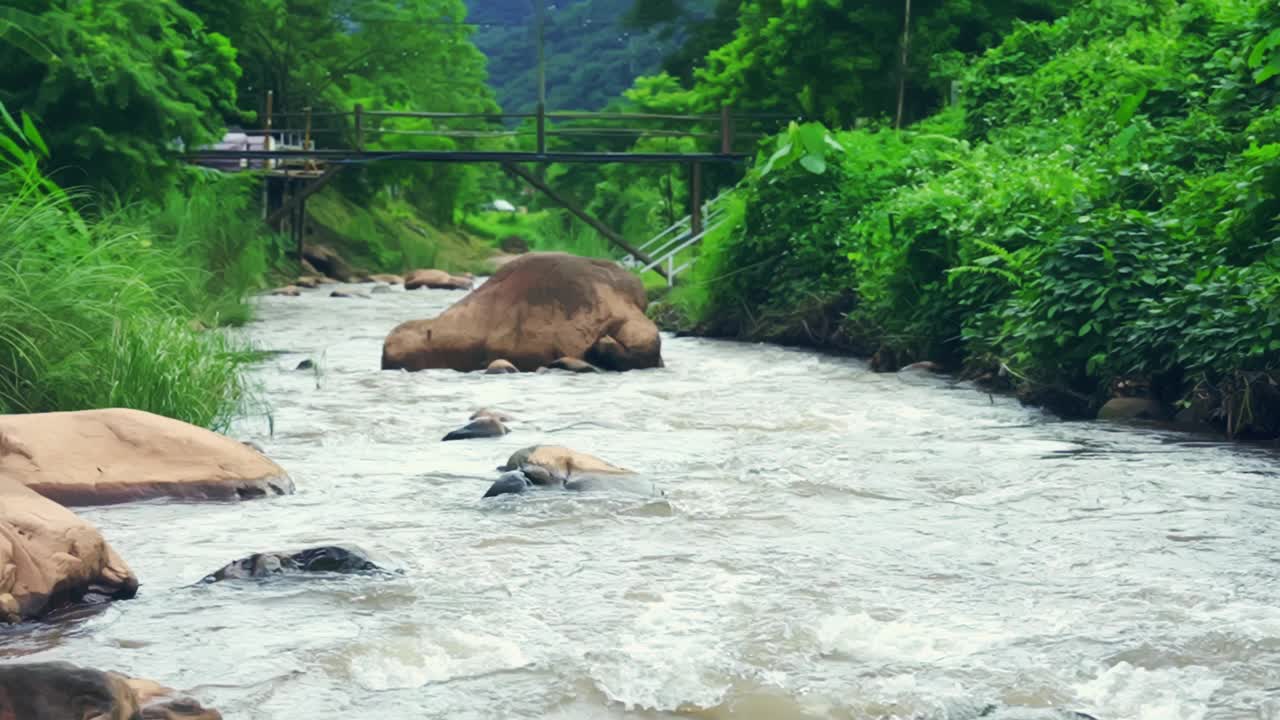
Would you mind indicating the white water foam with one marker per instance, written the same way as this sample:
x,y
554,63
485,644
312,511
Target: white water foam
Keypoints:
x,y
410,662
1134,693
862,637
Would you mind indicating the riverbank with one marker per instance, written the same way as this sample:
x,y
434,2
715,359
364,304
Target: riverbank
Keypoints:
x,y
1068,245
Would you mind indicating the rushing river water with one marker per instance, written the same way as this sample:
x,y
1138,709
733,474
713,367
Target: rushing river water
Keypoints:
x,y
834,543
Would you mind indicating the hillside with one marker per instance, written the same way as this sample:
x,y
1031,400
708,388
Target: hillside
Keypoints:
x,y
591,57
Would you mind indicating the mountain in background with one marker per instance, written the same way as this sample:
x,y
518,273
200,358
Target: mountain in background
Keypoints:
x,y
591,54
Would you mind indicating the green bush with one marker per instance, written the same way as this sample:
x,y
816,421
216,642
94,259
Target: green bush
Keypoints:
x,y
1104,211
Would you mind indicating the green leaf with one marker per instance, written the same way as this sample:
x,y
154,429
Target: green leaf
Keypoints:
x,y
8,120
33,135
813,137
1129,106
815,164
782,153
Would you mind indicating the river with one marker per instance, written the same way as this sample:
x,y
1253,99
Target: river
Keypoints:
x,y
833,543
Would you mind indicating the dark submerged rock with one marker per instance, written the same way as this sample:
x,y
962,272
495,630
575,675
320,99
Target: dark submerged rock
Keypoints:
x,y
328,559
1132,408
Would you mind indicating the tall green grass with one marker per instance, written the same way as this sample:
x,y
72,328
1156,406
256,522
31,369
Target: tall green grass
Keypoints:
x,y
213,222
103,310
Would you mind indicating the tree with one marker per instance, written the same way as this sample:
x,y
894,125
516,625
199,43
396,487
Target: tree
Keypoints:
x,y
118,85
838,60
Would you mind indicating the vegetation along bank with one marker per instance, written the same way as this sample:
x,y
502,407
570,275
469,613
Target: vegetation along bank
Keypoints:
x,y
1098,217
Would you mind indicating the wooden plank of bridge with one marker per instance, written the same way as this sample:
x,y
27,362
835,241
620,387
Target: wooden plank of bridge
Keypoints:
x,y
608,232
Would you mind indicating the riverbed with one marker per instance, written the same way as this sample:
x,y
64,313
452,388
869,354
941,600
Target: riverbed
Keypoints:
x,y
833,543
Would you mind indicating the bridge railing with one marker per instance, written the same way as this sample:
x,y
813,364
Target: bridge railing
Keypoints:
x,y
307,131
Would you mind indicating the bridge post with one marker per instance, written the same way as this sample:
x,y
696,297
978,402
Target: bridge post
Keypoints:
x,y
726,131
359,127
542,129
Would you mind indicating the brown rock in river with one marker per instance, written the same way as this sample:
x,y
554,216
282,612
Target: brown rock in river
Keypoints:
x,y
1132,408
307,281
535,310
481,427
96,457
495,414
501,367
436,280
561,462
388,279
287,291
327,260
50,558
348,294
62,691
575,365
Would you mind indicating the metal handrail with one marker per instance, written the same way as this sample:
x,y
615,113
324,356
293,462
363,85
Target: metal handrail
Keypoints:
x,y
682,246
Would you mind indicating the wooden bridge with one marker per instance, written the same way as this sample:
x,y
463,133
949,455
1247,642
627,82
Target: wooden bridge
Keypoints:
x,y
296,166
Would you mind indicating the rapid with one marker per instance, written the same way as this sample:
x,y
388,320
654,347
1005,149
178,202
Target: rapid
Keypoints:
x,y
833,543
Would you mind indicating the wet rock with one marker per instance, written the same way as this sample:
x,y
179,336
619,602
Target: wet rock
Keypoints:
x,y
495,414
500,367
553,467
308,268
180,709
380,289
348,294
49,557
287,291
573,365
307,281
161,703
62,691
482,427
1131,408
328,559
436,280
328,262
924,366
326,281
1010,713
534,310
97,457
387,278
307,364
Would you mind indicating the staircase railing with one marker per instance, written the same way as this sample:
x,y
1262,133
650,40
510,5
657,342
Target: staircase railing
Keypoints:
x,y
679,236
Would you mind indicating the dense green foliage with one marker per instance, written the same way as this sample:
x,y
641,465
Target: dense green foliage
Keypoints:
x,y
1103,211
107,312
116,84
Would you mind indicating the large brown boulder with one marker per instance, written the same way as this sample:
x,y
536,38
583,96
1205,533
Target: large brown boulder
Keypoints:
x,y
534,311
436,280
96,457
49,558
